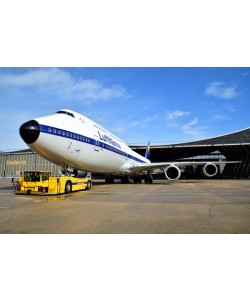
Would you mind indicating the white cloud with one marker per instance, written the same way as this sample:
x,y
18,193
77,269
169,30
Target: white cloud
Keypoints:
x,y
35,77
219,117
145,121
190,128
221,90
176,114
175,119
230,108
173,116
62,83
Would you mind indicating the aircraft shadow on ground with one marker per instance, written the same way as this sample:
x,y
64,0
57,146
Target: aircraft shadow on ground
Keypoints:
x,y
7,188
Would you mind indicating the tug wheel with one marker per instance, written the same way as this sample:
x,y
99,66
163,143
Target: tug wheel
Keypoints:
x,y
68,187
89,185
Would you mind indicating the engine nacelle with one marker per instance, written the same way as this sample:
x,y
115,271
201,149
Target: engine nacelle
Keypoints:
x,y
172,172
74,172
210,170
80,174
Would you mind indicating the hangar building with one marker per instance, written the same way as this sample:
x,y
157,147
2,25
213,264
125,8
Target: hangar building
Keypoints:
x,y
13,163
233,146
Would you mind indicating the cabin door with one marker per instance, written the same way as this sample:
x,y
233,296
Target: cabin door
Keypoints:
x,y
96,143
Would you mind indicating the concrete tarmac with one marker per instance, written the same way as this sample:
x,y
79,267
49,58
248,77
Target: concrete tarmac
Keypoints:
x,y
184,206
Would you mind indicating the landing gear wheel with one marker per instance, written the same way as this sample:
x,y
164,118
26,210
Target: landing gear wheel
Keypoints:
x,y
125,179
149,179
109,179
68,187
89,185
137,179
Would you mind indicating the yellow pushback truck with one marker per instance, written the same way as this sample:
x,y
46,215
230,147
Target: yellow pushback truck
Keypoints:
x,y
42,183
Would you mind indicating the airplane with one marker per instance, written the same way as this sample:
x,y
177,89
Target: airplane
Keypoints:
x,y
80,145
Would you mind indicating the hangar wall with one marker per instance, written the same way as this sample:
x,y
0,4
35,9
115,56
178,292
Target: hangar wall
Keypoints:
x,y
12,164
233,146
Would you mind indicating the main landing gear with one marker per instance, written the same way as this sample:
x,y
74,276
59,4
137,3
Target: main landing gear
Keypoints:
x,y
148,179
109,179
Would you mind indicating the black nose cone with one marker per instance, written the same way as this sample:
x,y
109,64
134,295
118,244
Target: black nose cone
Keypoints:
x,y
30,131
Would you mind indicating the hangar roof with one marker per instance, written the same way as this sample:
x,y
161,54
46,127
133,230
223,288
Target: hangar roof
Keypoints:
x,y
231,145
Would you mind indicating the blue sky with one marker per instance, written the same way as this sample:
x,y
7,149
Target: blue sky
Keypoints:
x,y
163,105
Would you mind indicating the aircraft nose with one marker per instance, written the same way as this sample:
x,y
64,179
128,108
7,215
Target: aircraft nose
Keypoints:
x,y
30,131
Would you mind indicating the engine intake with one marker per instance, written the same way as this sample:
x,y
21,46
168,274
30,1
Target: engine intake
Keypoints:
x,y
80,174
70,171
210,170
172,172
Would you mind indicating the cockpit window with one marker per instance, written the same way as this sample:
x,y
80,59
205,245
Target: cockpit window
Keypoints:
x,y
65,112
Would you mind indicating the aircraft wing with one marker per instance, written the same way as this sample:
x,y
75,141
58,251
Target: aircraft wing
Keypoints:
x,y
161,165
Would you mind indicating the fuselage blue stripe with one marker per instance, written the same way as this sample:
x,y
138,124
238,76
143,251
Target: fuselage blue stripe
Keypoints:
x,y
84,139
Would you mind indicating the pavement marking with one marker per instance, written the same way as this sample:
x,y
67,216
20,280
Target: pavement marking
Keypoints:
x,y
25,198
6,193
54,198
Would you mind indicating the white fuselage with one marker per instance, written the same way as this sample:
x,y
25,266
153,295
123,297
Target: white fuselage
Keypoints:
x,y
73,140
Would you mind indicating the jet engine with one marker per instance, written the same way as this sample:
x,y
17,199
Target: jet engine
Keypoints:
x,y
70,172
172,172
210,170
80,174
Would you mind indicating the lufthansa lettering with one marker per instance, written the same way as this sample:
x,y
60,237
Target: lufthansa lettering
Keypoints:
x,y
107,139
16,162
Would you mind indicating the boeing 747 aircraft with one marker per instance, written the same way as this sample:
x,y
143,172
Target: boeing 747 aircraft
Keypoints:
x,y
78,144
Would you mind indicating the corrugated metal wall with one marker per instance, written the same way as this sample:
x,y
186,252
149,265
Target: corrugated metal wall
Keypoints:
x,y
2,165
12,164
